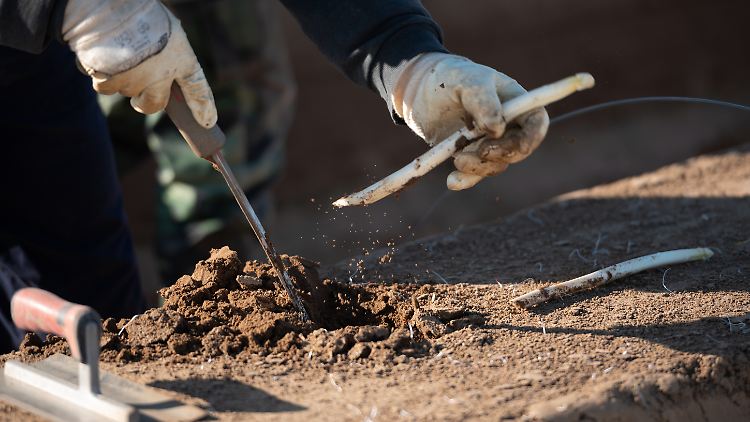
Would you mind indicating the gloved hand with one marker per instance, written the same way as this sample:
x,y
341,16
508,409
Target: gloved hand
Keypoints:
x,y
137,48
436,94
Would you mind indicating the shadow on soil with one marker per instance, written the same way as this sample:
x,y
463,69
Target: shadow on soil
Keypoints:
x,y
714,336
227,395
568,238
561,240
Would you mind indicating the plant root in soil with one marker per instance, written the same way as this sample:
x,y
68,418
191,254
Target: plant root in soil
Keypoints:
x,y
611,273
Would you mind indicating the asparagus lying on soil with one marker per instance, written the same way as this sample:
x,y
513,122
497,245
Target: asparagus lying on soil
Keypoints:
x,y
513,108
614,272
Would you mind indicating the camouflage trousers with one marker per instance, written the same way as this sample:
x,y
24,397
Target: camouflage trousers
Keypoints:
x,y
239,44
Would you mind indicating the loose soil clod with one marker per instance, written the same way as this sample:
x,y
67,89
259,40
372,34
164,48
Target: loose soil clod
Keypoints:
x,y
227,308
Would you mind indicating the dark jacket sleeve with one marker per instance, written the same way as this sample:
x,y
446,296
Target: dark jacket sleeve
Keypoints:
x,y
369,39
30,25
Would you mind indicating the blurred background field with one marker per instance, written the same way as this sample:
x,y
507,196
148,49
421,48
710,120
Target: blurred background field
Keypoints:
x,y
343,139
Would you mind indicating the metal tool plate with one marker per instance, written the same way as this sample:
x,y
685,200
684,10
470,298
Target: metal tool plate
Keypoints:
x,y
152,404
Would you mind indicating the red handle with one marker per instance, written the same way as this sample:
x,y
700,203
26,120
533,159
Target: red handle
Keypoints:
x,y
38,310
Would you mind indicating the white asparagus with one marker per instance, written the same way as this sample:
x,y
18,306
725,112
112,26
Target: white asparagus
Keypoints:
x,y
513,108
614,272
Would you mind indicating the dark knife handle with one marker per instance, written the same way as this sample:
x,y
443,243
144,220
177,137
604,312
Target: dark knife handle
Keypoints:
x,y
204,142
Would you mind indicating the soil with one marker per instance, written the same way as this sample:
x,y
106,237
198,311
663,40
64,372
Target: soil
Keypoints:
x,y
425,330
227,308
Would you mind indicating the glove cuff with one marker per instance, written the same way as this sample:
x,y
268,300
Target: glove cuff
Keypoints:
x,y
396,52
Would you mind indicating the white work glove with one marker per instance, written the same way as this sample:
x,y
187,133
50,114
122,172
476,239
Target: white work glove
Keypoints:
x,y
437,94
137,48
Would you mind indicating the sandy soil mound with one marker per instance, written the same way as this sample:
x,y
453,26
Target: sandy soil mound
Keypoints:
x,y
227,308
